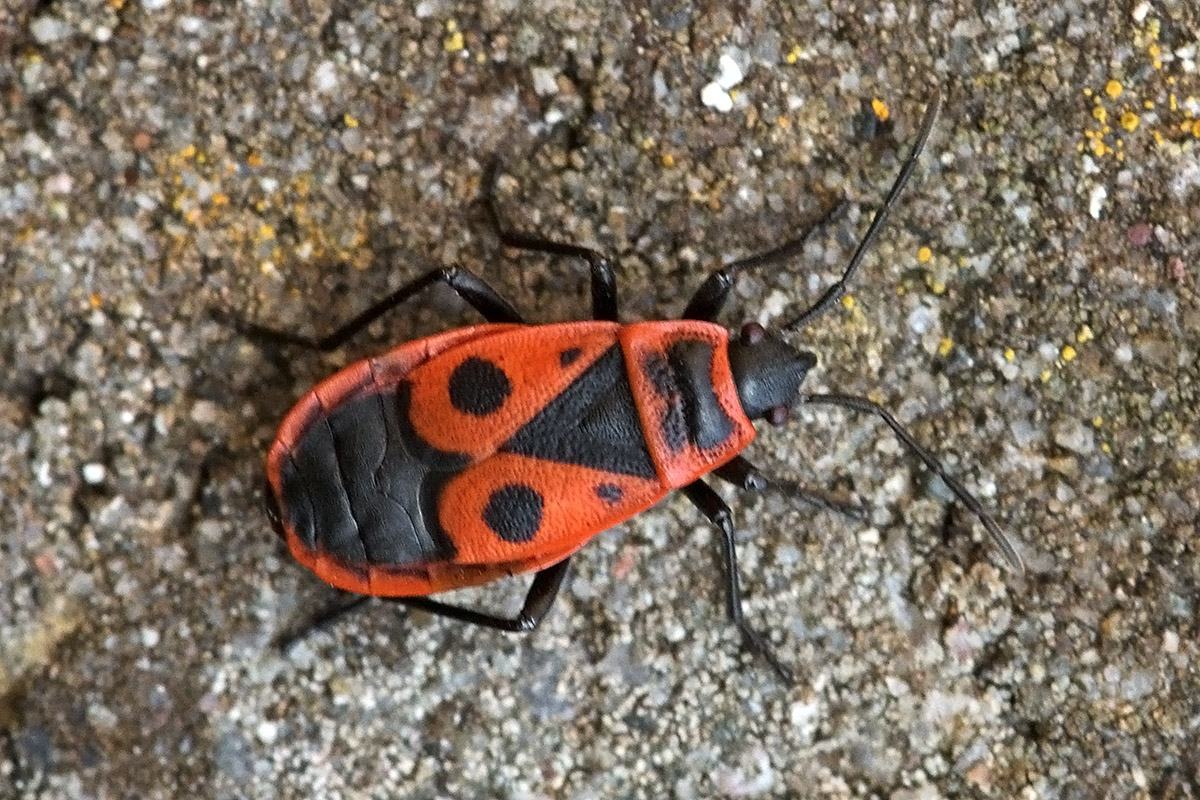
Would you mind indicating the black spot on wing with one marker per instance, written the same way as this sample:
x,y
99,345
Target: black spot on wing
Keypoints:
x,y
609,492
479,387
569,356
514,512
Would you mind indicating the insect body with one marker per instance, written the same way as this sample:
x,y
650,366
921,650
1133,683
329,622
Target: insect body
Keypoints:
x,y
500,449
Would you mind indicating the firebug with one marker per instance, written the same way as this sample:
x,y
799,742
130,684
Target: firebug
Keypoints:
x,y
502,448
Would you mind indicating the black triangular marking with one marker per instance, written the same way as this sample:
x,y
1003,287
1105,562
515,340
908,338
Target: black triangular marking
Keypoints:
x,y
593,423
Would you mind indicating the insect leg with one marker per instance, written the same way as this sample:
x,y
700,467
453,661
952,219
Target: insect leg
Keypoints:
x,y
604,284
863,405
538,601
744,475
713,507
320,620
710,298
834,293
470,287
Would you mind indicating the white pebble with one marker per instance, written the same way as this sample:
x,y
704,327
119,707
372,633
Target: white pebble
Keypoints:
x,y
713,96
94,473
545,81
267,732
730,74
324,78
150,638
1096,202
49,29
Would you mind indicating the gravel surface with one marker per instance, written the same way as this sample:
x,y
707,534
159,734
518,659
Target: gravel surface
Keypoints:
x,y
1031,311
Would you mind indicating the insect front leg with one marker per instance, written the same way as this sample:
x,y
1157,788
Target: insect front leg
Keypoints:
x,y
744,475
712,295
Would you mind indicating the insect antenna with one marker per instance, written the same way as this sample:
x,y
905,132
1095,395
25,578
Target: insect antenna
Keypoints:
x,y
834,293
863,405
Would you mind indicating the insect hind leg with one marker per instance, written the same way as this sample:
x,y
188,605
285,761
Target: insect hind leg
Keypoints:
x,y
538,602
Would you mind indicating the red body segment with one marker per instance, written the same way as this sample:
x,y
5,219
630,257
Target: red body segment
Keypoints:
x,y
497,449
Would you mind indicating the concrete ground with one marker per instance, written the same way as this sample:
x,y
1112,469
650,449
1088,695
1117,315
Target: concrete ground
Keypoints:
x,y
1031,311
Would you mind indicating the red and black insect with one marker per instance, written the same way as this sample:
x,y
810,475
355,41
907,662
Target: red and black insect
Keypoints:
x,y
502,448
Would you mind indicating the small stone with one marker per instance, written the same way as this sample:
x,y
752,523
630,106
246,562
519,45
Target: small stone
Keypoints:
x,y
49,29
1074,436
730,74
545,81
267,732
94,474
713,96
325,78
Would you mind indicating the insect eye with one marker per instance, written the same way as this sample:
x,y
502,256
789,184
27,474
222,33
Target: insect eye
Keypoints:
x,y
778,415
753,333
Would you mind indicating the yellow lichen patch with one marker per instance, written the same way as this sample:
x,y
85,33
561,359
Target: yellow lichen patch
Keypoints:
x,y
1045,376
793,56
1009,355
1097,421
945,346
924,254
1084,335
848,301
1129,121
1068,353
1113,89
881,110
453,42
668,160
349,121
254,160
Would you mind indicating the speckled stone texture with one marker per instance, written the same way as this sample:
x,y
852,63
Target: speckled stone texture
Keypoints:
x,y
1031,311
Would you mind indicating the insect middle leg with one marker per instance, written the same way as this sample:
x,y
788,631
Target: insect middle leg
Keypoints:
x,y
469,286
604,283
715,509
